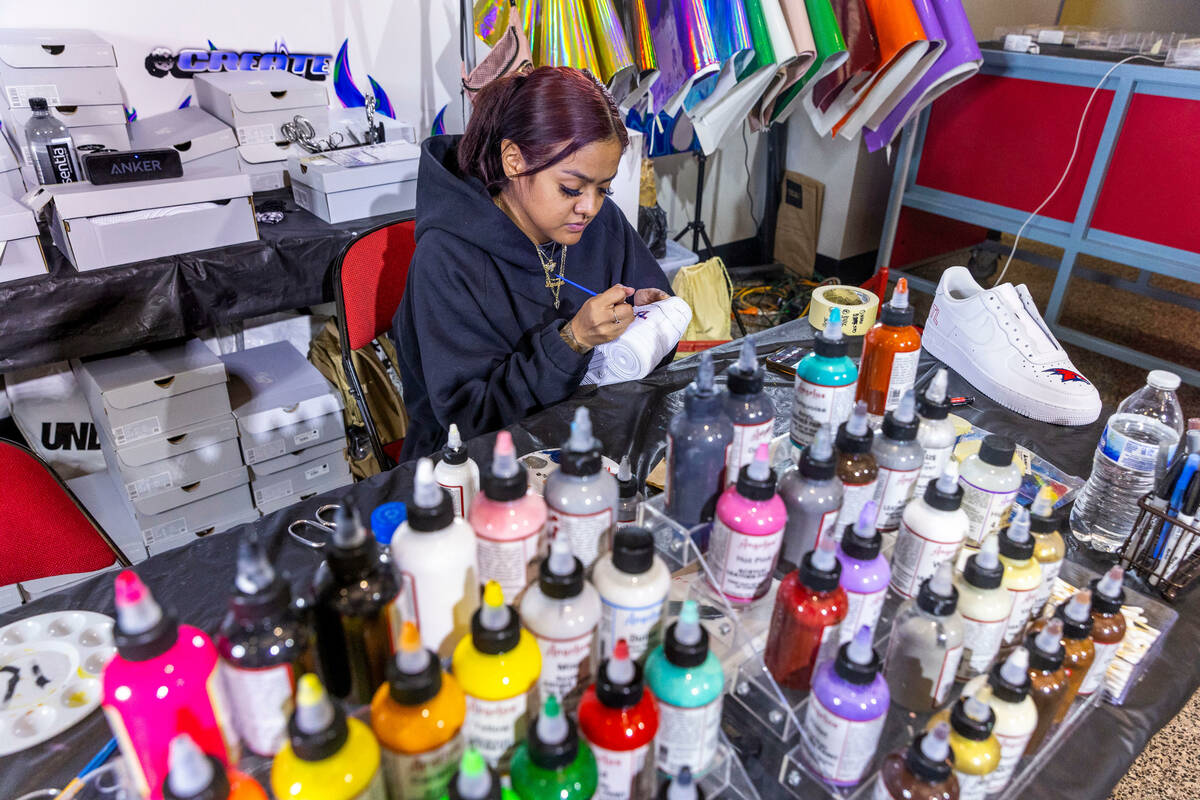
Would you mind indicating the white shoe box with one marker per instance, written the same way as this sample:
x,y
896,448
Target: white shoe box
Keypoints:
x,y
281,402
167,464
175,542
179,526
99,494
67,67
266,163
257,104
323,185
11,183
10,597
313,491
105,226
202,140
300,473
21,253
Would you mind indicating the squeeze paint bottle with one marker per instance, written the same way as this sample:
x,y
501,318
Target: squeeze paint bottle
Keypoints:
x,y
688,683
809,608
682,786
355,616
936,433
1022,574
985,606
496,666
562,611
922,771
926,644
974,745
747,533
618,717
899,458
509,522
434,552
263,644
1006,690
750,410
846,713
475,780
329,756
698,443
143,716
1049,548
856,467
581,495
865,574
990,481
1108,627
812,496
633,583
932,531
629,494
457,473
1047,678
891,350
552,764
824,388
417,717
1079,650
195,775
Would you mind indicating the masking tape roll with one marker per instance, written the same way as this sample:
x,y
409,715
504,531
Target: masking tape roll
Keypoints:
x,y
858,308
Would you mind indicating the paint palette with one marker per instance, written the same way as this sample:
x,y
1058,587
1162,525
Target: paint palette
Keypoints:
x,y
50,667
541,463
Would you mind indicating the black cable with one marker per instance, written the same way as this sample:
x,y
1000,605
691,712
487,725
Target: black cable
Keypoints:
x,y
749,177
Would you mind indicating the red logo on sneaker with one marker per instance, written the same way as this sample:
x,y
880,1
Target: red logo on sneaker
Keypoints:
x,y
1067,374
933,314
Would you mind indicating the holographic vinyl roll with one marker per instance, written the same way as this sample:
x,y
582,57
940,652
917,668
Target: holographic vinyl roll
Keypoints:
x,y
638,28
566,37
730,27
608,36
491,20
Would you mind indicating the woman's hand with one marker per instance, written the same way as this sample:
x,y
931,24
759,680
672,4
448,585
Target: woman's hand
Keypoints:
x,y
603,317
644,297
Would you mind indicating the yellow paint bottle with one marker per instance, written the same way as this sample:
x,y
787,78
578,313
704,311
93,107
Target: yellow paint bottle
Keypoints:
x,y
1022,575
1049,548
328,756
417,716
974,744
496,666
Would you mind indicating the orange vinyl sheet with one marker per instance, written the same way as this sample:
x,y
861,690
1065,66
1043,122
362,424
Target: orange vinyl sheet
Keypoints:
x,y
897,27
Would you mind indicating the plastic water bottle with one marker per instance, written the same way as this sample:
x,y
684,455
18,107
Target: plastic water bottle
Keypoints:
x,y
50,145
1134,449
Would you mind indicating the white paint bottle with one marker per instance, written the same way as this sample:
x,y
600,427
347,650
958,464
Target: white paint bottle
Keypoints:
x,y
633,584
985,605
990,480
457,473
932,530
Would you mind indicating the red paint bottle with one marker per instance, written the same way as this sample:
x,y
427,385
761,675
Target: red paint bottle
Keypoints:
x,y
618,717
891,350
809,609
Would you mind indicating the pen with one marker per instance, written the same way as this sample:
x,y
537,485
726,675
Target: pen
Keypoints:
x,y
1185,478
1158,500
1184,547
965,400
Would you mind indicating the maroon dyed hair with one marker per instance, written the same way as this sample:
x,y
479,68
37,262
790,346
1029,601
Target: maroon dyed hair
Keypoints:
x,y
549,113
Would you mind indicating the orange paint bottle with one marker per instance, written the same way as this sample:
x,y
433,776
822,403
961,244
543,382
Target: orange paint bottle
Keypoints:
x,y
891,350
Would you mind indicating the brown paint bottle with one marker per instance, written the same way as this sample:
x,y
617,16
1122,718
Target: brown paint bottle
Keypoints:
x,y
1047,676
922,771
1076,616
1108,627
856,467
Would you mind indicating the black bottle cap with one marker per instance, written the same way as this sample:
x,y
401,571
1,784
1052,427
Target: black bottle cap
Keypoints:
x,y
552,755
997,450
753,488
943,501
684,778
850,670
968,728
1044,524
817,469
977,575
321,744
1018,551
930,410
619,695
924,767
628,488
217,788
818,579
739,382
633,550
150,643
494,642
931,602
854,443
1042,660
38,104
505,489
830,348
1104,603
433,518
560,586
896,317
409,688
685,655
495,791
899,431
1073,629
454,455
856,545
581,462
1004,690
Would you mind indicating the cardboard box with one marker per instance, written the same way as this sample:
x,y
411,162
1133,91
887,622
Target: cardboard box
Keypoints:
x,y
203,141
67,67
50,411
21,253
164,501
281,402
266,164
257,104
99,494
151,393
11,183
105,226
328,468
291,500
184,524
335,192
194,454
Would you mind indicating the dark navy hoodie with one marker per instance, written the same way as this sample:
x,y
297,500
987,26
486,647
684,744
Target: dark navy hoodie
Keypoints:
x,y
477,331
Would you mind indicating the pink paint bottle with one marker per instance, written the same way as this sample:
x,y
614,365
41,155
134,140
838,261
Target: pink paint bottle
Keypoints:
x,y
747,533
509,522
162,682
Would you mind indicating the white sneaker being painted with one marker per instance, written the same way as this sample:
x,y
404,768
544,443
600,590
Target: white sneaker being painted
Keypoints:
x,y
997,340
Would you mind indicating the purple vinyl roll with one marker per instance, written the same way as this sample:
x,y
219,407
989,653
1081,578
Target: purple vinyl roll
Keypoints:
x,y
683,44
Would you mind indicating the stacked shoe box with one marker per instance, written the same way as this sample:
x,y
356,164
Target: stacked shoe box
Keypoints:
x,y
290,423
170,441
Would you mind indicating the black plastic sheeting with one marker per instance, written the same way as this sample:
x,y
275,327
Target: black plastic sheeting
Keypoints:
x,y
69,314
632,418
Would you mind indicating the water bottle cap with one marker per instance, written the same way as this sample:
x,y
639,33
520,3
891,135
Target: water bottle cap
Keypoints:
x,y
38,104
1163,380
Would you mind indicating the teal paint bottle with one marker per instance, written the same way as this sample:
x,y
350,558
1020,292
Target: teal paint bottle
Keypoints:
x,y
824,386
689,684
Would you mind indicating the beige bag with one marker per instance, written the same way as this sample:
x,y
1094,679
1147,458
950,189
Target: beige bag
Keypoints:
x,y
799,223
707,289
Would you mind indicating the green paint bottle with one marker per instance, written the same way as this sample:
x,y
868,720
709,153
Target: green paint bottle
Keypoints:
x,y
552,764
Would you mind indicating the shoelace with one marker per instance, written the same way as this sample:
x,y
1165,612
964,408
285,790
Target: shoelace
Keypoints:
x,y
1020,316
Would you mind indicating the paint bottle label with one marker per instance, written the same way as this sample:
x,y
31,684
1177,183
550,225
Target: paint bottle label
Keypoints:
x,y
423,776
945,678
1021,609
862,608
493,727
623,773
880,790
840,749
587,533
916,557
456,496
260,702
971,787
831,640
854,497
740,563
985,509
511,563
687,737
826,527
1105,653
637,625
816,405
904,376
892,492
1050,570
932,467
1011,750
566,667
981,642
746,439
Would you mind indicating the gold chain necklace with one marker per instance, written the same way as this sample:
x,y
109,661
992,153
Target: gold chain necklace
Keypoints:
x,y
553,282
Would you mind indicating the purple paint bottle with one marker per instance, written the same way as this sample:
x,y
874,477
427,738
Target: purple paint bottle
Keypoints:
x,y
846,712
747,533
865,573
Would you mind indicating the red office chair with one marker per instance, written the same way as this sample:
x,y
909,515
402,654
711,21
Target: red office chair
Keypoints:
x,y
48,532
368,284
